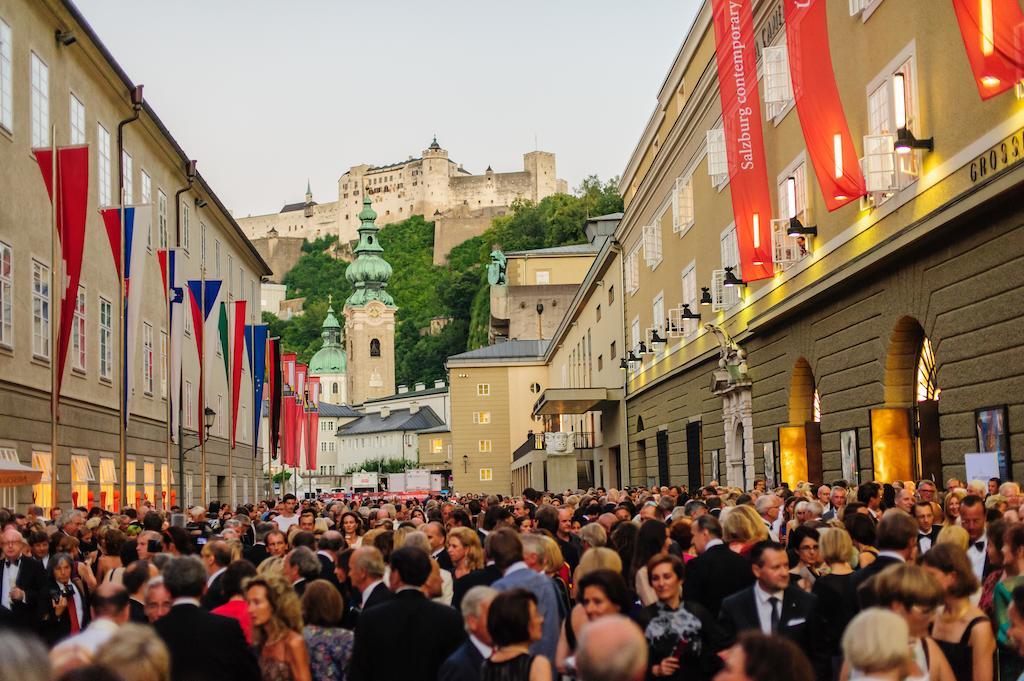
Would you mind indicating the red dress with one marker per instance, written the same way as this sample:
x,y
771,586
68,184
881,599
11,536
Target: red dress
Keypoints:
x,y
237,610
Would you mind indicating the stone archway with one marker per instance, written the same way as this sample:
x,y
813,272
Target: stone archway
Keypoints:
x,y
800,439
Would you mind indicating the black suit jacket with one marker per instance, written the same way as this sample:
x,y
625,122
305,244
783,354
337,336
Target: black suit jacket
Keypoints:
x,y
933,535
56,628
712,576
380,594
484,577
799,621
462,665
444,561
299,587
859,581
430,633
255,554
214,596
33,581
206,647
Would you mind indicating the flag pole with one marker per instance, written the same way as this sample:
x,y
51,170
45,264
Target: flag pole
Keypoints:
x,y
167,381
202,381
231,411
56,277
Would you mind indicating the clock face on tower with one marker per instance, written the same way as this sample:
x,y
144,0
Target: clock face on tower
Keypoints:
x,y
373,311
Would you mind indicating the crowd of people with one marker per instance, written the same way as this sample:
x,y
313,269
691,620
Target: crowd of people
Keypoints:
x,y
818,583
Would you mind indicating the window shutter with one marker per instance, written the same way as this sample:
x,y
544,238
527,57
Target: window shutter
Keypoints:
x,y
652,244
677,218
880,163
785,248
717,290
682,204
857,6
718,162
778,90
632,272
690,298
676,327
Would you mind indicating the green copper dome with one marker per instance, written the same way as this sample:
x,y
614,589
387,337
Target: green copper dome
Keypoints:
x,y
330,358
369,272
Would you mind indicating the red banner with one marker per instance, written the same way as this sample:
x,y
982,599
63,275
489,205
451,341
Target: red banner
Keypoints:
x,y
274,395
744,141
73,199
822,118
993,33
300,412
288,457
312,421
238,353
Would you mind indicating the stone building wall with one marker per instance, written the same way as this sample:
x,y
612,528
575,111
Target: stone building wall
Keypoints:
x,y
281,253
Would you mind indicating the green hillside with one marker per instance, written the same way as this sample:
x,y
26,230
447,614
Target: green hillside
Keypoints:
x,y
423,291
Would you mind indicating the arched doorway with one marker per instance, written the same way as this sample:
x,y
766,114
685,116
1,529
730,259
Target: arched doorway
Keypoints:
x,y
905,432
800,439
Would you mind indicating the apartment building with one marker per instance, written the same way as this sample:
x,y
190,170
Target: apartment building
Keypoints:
x,y
60,84
885,342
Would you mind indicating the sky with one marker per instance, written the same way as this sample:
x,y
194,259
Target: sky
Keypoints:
x,y
267,94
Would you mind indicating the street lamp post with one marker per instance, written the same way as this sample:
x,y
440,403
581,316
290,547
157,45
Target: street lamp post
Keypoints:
x,y
209,416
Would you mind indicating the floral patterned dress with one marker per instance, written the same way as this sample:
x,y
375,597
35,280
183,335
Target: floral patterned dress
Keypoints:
x,y
690,631
330,651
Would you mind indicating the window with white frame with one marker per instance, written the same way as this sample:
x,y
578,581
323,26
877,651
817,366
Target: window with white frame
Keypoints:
x,y
165,485
147,358
483,389
6,95
161,218
481,417
652,243
222,427
231,282
186,231
658,313
892,100
103,164
149,482
723,297
42,491
127,176
78,333
216,258
145,197
486,474
40,83
163,364
718,160
633,269
81,476
77,120
243,435
682,204
6,295
9,495
484,446
778,88
202,243
190,485
40,310
106,340
690,297
129,483
108,481
542,277
189,407
634,334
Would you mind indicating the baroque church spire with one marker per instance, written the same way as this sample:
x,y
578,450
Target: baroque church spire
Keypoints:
x,y
369,272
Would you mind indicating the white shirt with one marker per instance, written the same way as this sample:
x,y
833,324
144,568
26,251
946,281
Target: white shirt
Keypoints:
x,y
10,581
977,556
215,575
924,541
368,590
285,522
484,649
186,600
712,543
764,608
892,554
89,639
520,565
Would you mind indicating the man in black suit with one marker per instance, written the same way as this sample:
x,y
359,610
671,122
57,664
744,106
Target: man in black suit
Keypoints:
x,y
775,606
464,663
23,582
366,573
927,530
301,566
437,536
257,553
717,571
896,539
217,556
203,647
328,546
430,632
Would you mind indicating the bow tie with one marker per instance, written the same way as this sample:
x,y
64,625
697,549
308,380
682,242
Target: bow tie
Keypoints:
x,y
980,545
924,534
14,563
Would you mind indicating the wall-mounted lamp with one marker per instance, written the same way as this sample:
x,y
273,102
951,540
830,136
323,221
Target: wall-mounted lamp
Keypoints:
x,y
731,279
905,140
190,170
631,358
644,350
705,295
623,364
200,202
65,38
796,228
687,313
465,463
656,339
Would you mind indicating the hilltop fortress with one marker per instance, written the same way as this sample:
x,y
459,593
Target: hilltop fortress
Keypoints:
x,y
461,204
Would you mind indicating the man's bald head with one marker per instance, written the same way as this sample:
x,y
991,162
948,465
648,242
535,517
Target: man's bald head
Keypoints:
x,y
612,648
111,602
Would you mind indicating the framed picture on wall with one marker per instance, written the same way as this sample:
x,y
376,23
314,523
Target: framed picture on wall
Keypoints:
x,y
714,465
770,471
849,456
994,435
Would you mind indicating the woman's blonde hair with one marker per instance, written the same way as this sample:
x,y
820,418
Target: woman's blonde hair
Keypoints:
x,y
286,609
954,534
955,494
137,653
835,544
597,558
908,585
553,559
877,641
743,524
272,566
469,539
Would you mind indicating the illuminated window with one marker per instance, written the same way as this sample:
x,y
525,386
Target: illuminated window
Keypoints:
x,y
436,445
149,482
108,480
129,485
486,474
817,406
165,485
481,417
9,495
484,446
927,374
81,476
42,492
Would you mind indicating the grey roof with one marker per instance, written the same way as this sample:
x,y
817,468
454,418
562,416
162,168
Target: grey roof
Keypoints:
x,y
397,420
410,393
289,207
609,216
572,249
337,411
513,349
443,428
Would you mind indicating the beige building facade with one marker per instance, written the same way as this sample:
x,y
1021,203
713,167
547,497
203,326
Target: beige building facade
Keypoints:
x,y
78,91
887,349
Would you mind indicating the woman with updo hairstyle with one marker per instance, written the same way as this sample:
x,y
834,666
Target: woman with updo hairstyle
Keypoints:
x,y
600,592
742,527
877,645
276,616
514,623
329,646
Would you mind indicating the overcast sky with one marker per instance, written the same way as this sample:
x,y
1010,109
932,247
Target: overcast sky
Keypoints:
x,y
265,93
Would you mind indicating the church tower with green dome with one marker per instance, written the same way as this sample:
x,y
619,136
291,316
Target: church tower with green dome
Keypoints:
x,y
369,317
330,363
